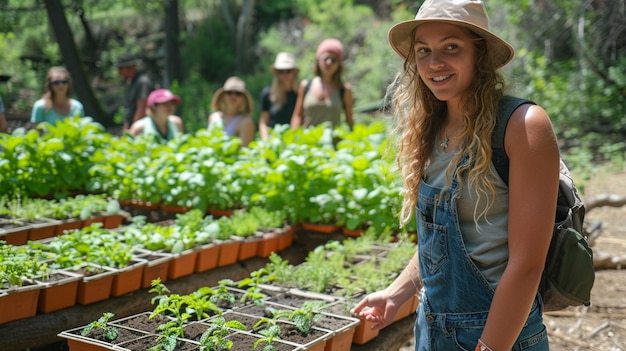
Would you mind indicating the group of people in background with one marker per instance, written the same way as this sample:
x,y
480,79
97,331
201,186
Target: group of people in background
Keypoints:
x,y
287,101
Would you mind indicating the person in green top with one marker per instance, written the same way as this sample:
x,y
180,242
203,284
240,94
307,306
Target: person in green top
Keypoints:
x,y
56,103
161,121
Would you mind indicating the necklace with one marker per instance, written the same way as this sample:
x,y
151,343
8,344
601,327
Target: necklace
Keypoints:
x,y
443,145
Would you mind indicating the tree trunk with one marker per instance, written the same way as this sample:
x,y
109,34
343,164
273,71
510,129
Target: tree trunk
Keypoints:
x,y
172,60
242,36
71,58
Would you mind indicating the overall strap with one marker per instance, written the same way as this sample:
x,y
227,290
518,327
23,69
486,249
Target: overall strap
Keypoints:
x,y
506,106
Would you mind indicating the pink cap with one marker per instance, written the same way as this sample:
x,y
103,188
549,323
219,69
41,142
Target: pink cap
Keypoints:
x,y
331,45
160,96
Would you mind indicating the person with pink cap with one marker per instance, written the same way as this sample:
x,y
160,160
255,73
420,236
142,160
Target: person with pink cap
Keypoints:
x,y
323,98
483,235
160,121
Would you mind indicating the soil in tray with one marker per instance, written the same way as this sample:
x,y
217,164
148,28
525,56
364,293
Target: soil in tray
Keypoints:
x,y
124,335
142,322
148,342
246,342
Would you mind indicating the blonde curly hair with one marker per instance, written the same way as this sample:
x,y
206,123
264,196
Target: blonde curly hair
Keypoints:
x,y
419,117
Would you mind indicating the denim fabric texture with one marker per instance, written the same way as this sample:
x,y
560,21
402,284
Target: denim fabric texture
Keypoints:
x,y
456,298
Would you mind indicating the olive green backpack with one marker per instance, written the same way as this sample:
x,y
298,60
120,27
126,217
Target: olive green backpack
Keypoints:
x,y
569,273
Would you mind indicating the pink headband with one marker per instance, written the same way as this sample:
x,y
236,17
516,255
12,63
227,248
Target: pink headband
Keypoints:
x,y
331,45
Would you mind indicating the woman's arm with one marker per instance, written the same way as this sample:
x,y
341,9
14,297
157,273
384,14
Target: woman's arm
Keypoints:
x,y
264,119
246,130
348,101
298,111
533,185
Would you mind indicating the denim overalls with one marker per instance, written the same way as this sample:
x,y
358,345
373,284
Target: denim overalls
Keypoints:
x,y
454,305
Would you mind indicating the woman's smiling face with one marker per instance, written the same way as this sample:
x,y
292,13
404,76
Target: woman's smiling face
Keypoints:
x,y
445,55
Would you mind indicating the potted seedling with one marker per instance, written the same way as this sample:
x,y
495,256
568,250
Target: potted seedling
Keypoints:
x,y
215,337
109,332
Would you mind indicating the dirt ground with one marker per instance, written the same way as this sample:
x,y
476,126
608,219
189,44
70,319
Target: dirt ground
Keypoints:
x,y
601,326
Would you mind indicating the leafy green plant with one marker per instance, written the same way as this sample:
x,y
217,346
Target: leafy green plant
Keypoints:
x,y
18,263
222,296
110,332
303,317
270,332
252,284
214,338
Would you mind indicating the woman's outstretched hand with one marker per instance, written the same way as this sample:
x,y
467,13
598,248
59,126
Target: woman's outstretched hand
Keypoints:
x,y
377,308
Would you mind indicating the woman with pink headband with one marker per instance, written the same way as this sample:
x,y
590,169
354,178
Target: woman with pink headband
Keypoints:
x,y
323,98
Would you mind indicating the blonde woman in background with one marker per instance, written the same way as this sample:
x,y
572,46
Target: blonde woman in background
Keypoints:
x,y
233,110
279,100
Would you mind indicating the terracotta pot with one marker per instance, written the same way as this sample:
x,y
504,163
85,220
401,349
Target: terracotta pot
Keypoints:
x,y
321,228
342,337
157,266
183,264
59,292
128,279
269,244
17,235
95,287
19,302
406,309
207,257
68,224
248,248
174,208
364,332
352,232
229,252
94,219
113,221
286,239
44,230
217,213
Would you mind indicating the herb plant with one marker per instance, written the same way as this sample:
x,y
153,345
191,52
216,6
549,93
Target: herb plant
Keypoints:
x,y
110,332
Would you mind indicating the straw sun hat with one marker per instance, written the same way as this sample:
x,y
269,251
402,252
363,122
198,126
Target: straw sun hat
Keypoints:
x,y
284,61
470,14
233,84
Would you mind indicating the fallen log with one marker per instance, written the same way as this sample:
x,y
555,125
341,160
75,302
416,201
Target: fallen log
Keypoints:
x,y
602,200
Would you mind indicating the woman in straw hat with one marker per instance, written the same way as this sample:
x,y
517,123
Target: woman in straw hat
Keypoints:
x,y
279,99
323,98
482,244
233,105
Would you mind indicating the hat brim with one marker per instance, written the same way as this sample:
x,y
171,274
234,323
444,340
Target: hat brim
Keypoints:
x,y
274,68
400,38
218,95
173,98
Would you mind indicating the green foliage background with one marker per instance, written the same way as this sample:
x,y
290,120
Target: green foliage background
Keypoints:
x,y
570,57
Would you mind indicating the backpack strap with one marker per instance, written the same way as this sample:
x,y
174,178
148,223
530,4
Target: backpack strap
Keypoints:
x,y
506,106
